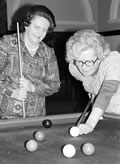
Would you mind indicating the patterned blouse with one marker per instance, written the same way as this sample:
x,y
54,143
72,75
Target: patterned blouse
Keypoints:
x,y
41,70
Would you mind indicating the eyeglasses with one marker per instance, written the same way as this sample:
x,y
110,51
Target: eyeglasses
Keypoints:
x,y
88,63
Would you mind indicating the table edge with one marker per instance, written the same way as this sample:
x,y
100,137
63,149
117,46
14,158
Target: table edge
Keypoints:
x,y
34,121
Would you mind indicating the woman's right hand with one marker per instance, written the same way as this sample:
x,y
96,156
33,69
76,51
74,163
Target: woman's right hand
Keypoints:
x,y
19,94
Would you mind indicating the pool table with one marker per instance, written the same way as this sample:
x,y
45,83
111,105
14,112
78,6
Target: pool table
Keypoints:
x,y
14,134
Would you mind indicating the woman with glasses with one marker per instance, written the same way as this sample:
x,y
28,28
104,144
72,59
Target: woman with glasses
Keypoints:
x,y
98,68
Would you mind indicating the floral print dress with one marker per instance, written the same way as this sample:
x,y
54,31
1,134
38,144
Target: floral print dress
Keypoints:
x,y
41,70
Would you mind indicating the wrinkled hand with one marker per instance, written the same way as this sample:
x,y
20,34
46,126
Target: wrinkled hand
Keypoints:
x,y
26,84
19,94
85,128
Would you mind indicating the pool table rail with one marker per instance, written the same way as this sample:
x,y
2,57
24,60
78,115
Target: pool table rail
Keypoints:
x,y
37,121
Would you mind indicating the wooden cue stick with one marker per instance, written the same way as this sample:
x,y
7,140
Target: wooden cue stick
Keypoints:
x,y
83,114
20,64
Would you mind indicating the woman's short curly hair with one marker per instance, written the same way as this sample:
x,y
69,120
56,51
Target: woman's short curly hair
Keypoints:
x,y
39,10
87,39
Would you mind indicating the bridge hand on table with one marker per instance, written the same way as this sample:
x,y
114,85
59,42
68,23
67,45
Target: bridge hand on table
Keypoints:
x,y
85,128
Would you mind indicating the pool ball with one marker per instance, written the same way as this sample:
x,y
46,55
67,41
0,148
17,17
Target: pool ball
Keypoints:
x,y
31,145
69,150
74,131
47,123
88,148
39,135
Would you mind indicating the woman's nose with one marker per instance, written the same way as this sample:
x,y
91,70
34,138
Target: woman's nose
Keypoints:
x,y
84,66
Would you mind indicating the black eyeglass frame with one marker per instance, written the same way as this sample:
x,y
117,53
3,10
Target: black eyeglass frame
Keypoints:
x,y
88,63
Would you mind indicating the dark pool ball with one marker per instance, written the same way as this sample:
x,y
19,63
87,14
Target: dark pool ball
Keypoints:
x,y
47,123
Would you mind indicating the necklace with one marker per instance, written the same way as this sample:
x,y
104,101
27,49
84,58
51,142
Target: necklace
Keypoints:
x,y
27,45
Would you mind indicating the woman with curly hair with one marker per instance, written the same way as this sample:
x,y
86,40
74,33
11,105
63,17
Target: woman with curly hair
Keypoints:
x,y
40,75
98,68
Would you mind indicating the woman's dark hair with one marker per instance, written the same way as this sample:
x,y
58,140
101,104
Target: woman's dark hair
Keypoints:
x,y
42,11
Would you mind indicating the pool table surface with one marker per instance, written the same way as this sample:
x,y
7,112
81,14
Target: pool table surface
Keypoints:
x,y
14,134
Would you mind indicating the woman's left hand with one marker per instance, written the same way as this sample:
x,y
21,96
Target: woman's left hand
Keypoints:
x,y
85,128
26,84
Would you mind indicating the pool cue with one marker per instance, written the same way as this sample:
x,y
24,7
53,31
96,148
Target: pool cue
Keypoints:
x,y
20,64
84,112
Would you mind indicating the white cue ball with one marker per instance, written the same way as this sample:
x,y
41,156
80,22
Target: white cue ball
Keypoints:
x,y
69,150
74,131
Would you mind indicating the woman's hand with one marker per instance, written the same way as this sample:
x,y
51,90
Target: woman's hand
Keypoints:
x,y
85,128
26,84
91,122
19,94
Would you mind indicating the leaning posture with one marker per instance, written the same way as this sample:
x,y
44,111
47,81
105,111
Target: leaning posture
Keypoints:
x,y
98,68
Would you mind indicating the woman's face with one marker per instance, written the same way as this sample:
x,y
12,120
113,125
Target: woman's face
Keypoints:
x,y
88,62
37,29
